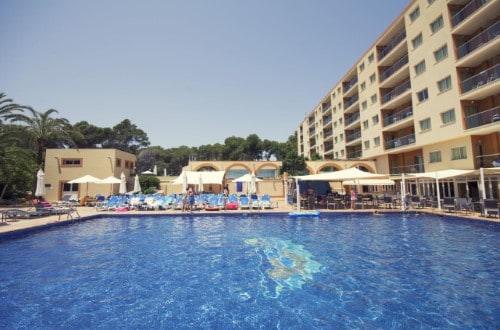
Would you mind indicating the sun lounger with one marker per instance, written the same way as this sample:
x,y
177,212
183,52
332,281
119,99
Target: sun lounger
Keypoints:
x,y
266,202
490,207
449,204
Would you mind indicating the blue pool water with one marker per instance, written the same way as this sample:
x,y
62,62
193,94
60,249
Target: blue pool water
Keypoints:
x,y
246,272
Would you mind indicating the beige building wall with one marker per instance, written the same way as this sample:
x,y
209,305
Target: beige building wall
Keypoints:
x,y
63,165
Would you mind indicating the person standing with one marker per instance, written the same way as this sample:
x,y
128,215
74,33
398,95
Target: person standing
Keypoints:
x,y
354,198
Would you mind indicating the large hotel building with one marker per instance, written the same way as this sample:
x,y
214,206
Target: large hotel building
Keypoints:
x,y
424,97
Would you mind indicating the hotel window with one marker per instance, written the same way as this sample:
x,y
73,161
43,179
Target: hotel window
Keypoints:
x,y
371,58
441,53
374,98
367,144
365,124
458,153
71,162
335,125
336,154
445,84
118,163
340,121
414,14
342,153
334,110
373,78
363,86
417,41
423,95
335,139
338,90
341,136
375,120
420,67
361,67
437,24
376,141
340,105
448,117
364,105
333,95
425,124
435,157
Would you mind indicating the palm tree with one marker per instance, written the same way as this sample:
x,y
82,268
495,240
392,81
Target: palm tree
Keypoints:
x,y
7,107
44,129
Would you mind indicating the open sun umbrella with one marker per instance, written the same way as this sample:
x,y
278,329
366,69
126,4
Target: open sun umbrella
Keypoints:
x,y
123,184
85,179
109,180
40,183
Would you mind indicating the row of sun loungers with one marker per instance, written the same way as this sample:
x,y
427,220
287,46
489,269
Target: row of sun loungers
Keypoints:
x,y
210,202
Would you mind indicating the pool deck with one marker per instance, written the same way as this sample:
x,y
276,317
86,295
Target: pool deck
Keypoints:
x,y
21,224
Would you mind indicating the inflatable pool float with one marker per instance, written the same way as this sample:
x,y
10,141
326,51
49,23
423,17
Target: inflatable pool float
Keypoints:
x,y
122,209
212,208
307,214
231,206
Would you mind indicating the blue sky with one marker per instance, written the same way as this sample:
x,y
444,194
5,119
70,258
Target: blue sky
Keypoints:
x,y
187,72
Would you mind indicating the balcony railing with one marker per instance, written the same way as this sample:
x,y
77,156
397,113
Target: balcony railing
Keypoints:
x,y
465,12
328,133
400,142
351,119
396,91
351,101
392,44
474,43
394,68
398,116
480,79
353,136
327,120
354,154
328,147
326,106
483,118
410,168
349,84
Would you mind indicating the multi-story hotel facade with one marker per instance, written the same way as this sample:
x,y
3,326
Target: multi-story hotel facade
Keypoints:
x,y
424,97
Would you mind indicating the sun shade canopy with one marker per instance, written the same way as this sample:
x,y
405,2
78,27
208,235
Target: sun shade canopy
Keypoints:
x,y
214,177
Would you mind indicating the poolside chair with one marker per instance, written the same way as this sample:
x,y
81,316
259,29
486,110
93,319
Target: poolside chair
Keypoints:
x,y
490,207
254,201
266,202
311,202
330,202
416,202
388,202
244,202
463,204
449,204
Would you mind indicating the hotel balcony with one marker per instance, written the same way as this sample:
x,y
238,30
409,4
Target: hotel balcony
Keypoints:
x,y
481,85
398,95
348,87
326,106
472,51
483,118
389,76
395,49
327,120
353,137
350,103
327,133
409,168
398,119
351,120
355,154
400,142
328,147
468,16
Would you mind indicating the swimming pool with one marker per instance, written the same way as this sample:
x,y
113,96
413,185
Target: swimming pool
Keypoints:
x,y
249,271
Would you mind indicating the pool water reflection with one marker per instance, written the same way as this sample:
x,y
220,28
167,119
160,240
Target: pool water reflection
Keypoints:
x,y
247,271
